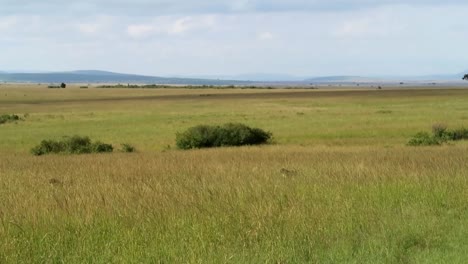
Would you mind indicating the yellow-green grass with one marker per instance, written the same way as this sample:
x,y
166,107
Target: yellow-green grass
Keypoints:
x,y
150,118
337,186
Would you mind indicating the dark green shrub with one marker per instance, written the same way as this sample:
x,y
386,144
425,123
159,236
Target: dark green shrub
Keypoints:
x,y
440,131
458,134
99,147
239,135
71,145
440,135
423,139
231,134
127,148
201,136
8,118
48,146
77,145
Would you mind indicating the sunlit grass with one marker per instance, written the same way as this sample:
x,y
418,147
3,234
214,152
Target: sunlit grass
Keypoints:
x,y
366,118
337,186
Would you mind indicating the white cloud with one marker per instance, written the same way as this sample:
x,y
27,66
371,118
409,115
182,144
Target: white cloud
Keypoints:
x,y
180,26
354,28
265,36
139,31
172,25
186,24
88,28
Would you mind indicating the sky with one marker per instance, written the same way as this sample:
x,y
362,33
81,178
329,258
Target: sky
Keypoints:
x,y
230,37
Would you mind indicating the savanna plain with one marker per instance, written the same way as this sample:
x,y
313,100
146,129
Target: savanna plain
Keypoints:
x,y
337,184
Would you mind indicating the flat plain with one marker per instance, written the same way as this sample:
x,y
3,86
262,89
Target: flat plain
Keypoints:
x,y
337,184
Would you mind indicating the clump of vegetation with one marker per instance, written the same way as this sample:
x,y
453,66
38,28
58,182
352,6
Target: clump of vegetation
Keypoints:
x,y
459,134
440,134
61,86
128,148
231,134
384,112
71,145
424,139
165,86
8,118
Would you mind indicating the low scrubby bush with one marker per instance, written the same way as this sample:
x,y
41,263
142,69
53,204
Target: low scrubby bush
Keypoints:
x,y
71,145
8,118
127,148
440,134
459,134
99,147
204,136
423,139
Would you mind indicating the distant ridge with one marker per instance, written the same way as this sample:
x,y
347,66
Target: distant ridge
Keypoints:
x,y
439,78
94,76
107,77
255,77
95,72
338,79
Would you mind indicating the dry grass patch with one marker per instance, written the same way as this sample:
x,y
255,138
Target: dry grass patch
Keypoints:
x,y
334,204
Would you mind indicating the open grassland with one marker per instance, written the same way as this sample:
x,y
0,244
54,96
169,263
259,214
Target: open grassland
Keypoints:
x,y
150,118
337,186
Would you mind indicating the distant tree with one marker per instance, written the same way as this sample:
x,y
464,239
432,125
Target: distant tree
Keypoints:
x,y
465,77
63,85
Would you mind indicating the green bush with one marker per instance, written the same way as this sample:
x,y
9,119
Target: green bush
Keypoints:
x,y
439,130
99,147
128,148
77,145
204,136
8,118
239,135
458,134
440,134
71,145
423,139
48,146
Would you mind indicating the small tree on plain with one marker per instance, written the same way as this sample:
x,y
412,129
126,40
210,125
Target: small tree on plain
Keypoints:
x,y
63,85
465,77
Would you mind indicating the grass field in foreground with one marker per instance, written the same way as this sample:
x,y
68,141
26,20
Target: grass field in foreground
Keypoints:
x,y
338,186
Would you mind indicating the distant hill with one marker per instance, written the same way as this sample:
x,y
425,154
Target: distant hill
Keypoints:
x,y
256,77
95,72
338,79
92,76
106,77
387,79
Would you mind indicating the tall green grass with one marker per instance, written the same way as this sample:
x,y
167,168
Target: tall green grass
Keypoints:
x,y
361,205
339,184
